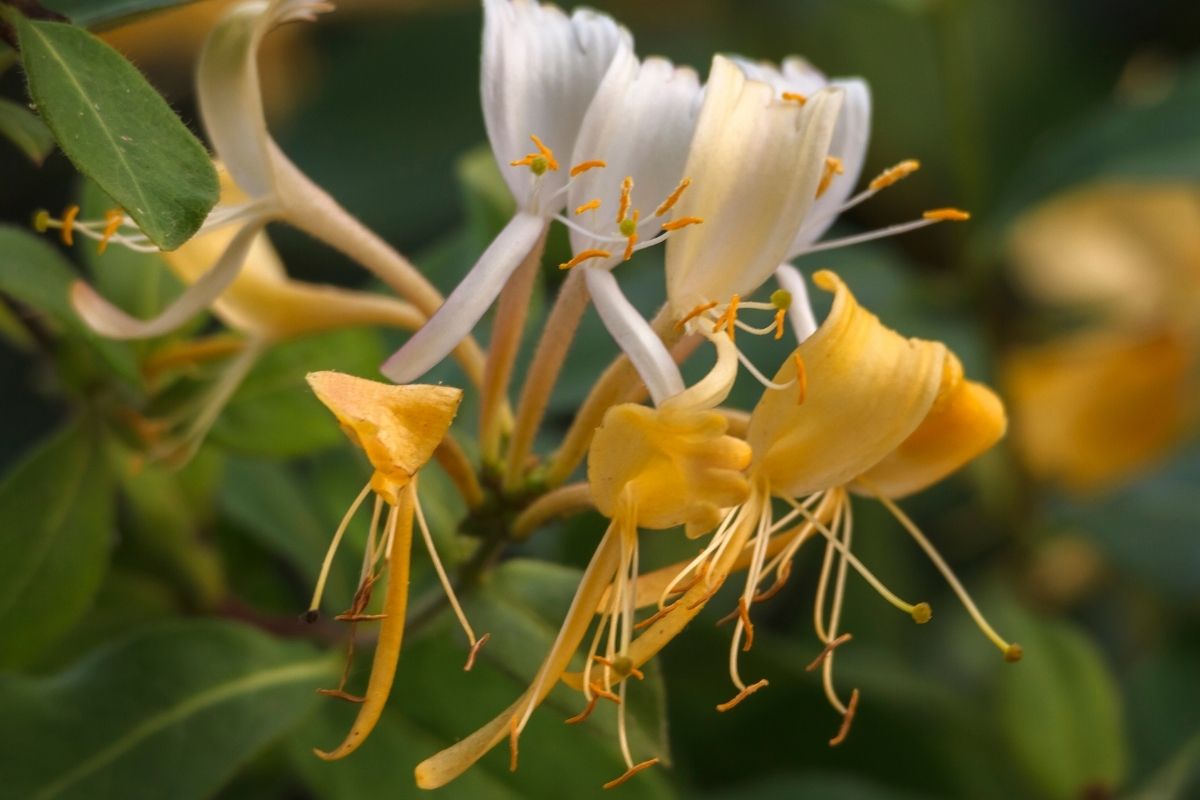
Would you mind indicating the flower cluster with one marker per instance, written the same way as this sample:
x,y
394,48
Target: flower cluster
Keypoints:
x,y
735,177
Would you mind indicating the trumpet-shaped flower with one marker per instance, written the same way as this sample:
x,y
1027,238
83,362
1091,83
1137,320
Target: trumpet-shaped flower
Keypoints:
x,y
398,428
540,71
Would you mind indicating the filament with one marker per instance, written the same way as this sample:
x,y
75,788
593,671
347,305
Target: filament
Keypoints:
x,y
314,606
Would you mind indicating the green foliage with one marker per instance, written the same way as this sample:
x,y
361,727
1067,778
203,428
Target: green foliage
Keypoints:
x,y
109,13
170,712
56,529
26,131
118,130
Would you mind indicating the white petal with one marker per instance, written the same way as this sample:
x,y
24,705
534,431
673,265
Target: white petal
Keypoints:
x,y
800,313
468,302
755,164
108,320
540,70
634,335
641,124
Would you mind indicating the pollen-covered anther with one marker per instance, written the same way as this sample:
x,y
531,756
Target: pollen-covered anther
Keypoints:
x,y
833,166
342,694
829,647
894,174
623,203
587,712
656,616
801,378
795,97
847,719
584,256
742,695
584,166
475,648
68,224
628,229
682,222
629,773
112,223
743,611
947,215
590,205
728,318
607,694
695,312
673,197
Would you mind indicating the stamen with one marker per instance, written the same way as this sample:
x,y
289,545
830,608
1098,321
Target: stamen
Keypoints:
x,y
728,318
342,694
68,224
314,606
113,218
629,773
833,166
587,712
695,312
590,205
546,153
350,616
947,215
621,665
673,197
632,236
894,174
584,256
801,377
742,695
607,694
847,718
743,611
475,648
513,749
780,316
826,650
584,166
781,579
682,222
656,616
795,97
705,597
623,204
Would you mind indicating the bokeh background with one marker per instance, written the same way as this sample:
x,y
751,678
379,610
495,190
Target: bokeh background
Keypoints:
x,y
1070,129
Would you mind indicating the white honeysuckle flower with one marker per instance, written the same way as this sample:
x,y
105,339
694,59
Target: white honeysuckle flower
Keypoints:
x,y
540,72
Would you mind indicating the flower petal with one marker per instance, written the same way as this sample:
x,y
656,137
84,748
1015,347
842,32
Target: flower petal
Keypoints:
x,y
966,419
755,163
468,302
800,313
108,320
868,388
540,70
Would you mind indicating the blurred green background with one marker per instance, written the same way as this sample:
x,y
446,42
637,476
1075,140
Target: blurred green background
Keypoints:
x,y
1009,104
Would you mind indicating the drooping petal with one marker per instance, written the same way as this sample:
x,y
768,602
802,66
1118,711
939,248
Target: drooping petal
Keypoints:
x,y
635,336
755,164
397,427
640,124
540,70
108,320
468,302
966,419
868,388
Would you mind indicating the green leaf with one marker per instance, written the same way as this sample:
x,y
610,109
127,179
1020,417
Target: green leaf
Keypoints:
x,y
109,13
1178,779
26,131
56,525
813,787
170,712
1060,711
118,130
36,274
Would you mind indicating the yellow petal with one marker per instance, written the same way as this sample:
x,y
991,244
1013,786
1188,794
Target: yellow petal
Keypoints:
x,y
391,634
1094,408
678,465
967,418
440,769
398,427
868,388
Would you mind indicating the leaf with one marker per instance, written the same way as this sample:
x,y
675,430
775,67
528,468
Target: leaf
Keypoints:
x,y
1060,711
26,131
169,712
109,13
812,787
56,525
1178,779
118,130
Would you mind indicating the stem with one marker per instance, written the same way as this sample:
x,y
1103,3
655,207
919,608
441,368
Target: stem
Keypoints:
x,y
616,385
507,329
561,502
453,459
548,359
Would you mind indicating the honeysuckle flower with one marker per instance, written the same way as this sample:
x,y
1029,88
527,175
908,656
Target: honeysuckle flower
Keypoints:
x,y
649,469
1100,403
398,429
540,71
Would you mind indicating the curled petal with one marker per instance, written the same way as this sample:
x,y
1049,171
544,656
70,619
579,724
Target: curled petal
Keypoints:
x,y
108,320
868,390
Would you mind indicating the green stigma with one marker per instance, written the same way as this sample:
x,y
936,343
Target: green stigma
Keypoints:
x,y
41,220
781,299
538,165
627,227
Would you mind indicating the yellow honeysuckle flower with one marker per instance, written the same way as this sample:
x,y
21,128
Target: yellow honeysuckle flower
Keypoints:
x,y
398,428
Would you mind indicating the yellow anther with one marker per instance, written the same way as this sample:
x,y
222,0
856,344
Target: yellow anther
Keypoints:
x,y
833,166
623,205
695,312
584,256
801,378
112,222
673,197
41,220
795,97
629,773
728,319
590,205
545,152
584,166
894,174
629,228
742,695
682,222
780,316
947,215
68,225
